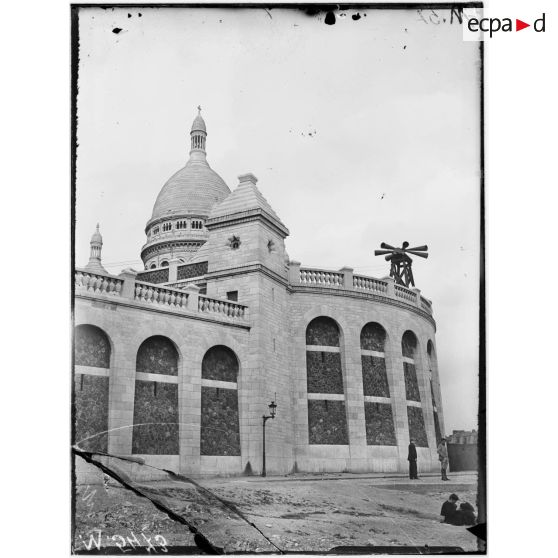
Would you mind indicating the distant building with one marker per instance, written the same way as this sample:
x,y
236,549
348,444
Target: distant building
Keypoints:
x,y
178,362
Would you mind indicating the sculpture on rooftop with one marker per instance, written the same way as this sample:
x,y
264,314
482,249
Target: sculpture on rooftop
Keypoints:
x,y
401,262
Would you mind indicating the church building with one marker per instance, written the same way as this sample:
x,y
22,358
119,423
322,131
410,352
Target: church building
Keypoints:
x,y
178,363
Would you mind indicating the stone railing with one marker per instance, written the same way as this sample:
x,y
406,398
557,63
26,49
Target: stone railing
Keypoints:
x,y
222,307
187,300
345,280
95,283
146,292
321,277
403,292
363,283
426,304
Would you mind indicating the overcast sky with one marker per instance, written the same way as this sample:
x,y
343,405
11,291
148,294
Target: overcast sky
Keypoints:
x,y
359,132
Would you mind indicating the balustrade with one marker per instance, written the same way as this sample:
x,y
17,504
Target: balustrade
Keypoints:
x,y
145,292
344,279
402,292
369,284
98,284
321,278
222,307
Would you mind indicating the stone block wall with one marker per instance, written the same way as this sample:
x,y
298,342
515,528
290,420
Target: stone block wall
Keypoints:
x,y
374,387
364,424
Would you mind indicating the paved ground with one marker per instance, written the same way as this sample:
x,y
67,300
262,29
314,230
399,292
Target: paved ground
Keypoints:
x,y
294,513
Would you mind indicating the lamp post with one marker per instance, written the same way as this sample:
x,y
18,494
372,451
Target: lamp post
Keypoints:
x,y
272,408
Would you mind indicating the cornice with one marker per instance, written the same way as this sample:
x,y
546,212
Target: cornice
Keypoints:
x,y
363,296
176,217
256,214
111,301
245,269
157,246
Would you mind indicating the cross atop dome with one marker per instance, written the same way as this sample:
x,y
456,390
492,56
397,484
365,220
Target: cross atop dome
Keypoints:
x,y
199,124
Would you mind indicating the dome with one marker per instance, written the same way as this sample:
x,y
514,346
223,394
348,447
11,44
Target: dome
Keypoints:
x,y
96,237
196,188
198,124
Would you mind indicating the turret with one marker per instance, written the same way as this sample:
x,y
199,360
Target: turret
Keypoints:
x,y
94,264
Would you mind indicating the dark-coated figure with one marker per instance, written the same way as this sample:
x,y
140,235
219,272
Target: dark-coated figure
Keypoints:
x,y
412,458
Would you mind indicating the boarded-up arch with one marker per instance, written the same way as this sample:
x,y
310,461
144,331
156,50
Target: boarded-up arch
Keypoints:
x,y
92,354
219,428
327,421
156,430
378,414
415,416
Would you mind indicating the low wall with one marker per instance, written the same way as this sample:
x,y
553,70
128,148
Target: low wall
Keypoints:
x,y
463,457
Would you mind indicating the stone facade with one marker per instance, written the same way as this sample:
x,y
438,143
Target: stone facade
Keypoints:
x,y
183,378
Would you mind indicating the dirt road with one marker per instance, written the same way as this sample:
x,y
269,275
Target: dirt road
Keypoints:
x,y
294,513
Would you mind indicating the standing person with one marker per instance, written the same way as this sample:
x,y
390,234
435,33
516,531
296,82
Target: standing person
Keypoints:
x,y
443,457
412,458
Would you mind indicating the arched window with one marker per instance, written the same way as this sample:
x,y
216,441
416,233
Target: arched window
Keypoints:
x,y
197,224
167,227
327,421
164,263
415,417
181,225
155,230
156,398
153,266
380,429
220,434
91,387
431,366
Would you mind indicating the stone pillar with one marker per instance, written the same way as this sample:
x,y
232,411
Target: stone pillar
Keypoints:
x,y
294,272
121,398
347,277
193,297
390,286
189,412
173,269
417,292
396,379
354,399
423,378
128,288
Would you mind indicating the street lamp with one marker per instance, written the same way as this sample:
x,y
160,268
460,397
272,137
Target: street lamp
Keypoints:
x,y
272,408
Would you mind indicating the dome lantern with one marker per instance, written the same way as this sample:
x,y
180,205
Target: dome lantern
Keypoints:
x,y
198,134
96,245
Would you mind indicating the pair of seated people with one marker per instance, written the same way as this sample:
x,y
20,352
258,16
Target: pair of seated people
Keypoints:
x,y
465,515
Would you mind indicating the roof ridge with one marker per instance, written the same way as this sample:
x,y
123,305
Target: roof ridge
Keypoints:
x,y
246,196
